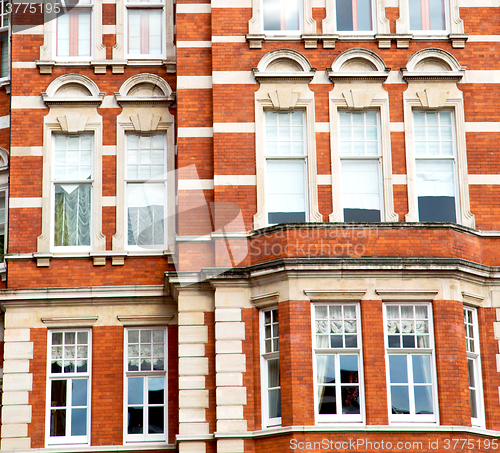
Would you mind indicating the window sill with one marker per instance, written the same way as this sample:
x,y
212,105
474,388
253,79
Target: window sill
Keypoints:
x,y
100,67
99,258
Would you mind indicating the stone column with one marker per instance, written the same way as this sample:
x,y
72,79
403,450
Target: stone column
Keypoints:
x,y
230,364
193,301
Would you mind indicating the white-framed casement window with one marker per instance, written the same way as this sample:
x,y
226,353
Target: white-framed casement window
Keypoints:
x,y
72,191
3,226
145,28
355,15
74,31
474,366
410,363
361,166
279,16
270,367
68,387
337,363
4,39
146,188
286,166
428,15
435,156
145,414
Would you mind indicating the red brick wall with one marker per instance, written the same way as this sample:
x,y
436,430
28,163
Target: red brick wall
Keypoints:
x,y
37,398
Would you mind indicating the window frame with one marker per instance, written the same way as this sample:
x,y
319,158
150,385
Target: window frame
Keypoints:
x,y
68,439
4,190
353,158
157,181
475,357
157,5
5,29
287,158
339,418
427,32
452,158
145,437
412,418
373,19
88,182
285,31
267,422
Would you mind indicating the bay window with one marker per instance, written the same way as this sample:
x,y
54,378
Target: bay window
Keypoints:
x,y
146,190
68,392
354,15
270,366
286,166
145,415
281,15
410,363
146,25
360,156
338,366
427,15
74,31
474,366
73,180
434,136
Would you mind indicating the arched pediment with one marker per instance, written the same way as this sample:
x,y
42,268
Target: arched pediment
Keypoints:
x,y
284,65
4,159
358,64
145,88
73,89
433,64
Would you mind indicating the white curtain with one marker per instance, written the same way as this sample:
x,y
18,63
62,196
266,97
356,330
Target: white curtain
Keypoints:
x,y
286,186
435,178
72,214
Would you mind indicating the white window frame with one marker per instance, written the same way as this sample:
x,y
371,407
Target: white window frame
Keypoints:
x,y
68,439
452,158
145,437
71,114
288,158
356,32
5,27
5,191
353,158
77,58
90,182
432,32
475,357
412,418
274,95
337,352
159,4
264,358
285,31
433,89
156,181
357,90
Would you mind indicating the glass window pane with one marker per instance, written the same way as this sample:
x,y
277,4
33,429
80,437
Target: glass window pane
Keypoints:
x,y
274,397
398,369
400,402
423,399
156,420
271,15
79,422
349,369
350,400
135,391
273,373
58,393
135,420
79,392
421,369
156,390
327,399
57,422
325,368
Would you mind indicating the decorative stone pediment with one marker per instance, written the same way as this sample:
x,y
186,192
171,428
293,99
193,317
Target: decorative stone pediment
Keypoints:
x,y
433,98
433,64
73,89
284,65
4,159
358,64
143,89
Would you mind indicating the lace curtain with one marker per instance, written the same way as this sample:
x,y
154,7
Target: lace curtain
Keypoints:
x,y
72,214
